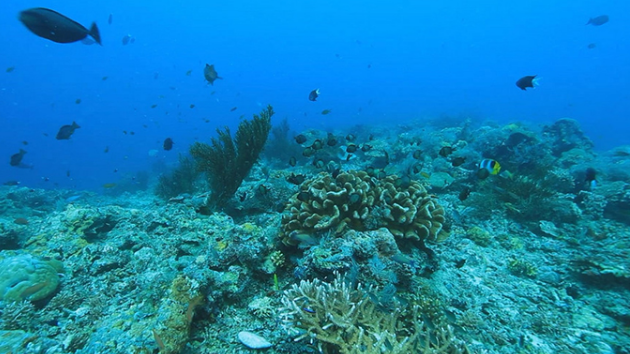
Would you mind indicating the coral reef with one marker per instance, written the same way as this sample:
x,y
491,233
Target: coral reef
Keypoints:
x,y
355,200
340,319
227,162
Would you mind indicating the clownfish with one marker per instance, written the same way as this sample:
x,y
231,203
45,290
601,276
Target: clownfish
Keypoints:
x,y
490,165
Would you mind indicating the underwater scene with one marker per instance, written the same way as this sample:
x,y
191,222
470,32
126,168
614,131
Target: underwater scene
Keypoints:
x,y
336,177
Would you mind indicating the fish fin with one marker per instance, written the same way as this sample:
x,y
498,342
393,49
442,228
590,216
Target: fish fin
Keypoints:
x,y
94,33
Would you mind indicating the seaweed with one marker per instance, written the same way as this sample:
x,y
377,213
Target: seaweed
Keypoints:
x,y
228,161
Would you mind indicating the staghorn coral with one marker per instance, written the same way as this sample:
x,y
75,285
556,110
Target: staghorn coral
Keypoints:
x,y
354,199
340,319
228,161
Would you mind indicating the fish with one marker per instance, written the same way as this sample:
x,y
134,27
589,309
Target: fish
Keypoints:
x,y
331,140
318,163
24,142
106,150
296,179
313,95
126,39
11,183
417,154
300,139
192,105
74,198
233,109
210,74
21,221
446,150
77,101
590,177
10,69
464,193
490,165
366,147
104,78
458,161
168,144
292,161
403,259
326,111
350,137
308,152
153,105
189,72
110,19
527,81
317,145
66,131
598,21
591,46
56,27
16,159
109,185
351,148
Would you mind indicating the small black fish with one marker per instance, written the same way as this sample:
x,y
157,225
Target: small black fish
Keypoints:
x,y
366,147
210,74
313,95
317,145
591,46
10,69
445,151
331,140
350,137
292,161
598,21
168,144
351,148
526,81
233,109
318,163
16,159
106,149
417,154
24,142
242,197
126,39
326,111
464,193
458,161
68,173
296,179
303,196
336,172
66,131
308,152
56,27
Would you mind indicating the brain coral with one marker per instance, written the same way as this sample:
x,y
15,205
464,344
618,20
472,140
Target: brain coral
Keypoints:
x,y
25,277
360,202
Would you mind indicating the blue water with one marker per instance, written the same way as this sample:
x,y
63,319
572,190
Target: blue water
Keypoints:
x,y
374,62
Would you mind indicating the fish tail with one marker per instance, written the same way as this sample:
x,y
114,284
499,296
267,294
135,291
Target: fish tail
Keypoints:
x,y
589,21
94,33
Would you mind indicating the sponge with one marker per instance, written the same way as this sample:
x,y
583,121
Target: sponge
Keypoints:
x,y
25,277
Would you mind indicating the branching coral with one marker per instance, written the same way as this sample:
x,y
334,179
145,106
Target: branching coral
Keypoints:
x,y
341,319
360,202
227,162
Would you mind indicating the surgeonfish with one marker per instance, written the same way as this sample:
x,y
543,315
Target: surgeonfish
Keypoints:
x,y
527,81
56,27
490,165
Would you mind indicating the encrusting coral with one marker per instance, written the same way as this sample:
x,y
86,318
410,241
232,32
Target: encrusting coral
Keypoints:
x,y
341,319
361,202
227,162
